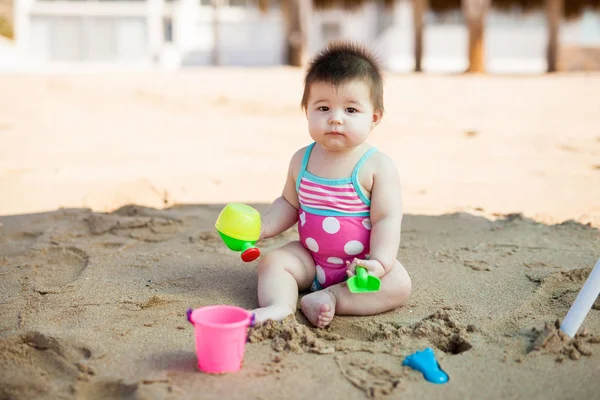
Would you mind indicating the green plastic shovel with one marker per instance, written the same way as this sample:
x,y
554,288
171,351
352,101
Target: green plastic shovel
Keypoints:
x,y
362,282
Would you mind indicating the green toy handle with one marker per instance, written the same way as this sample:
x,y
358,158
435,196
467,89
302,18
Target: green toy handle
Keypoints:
x,y
362,276
246,246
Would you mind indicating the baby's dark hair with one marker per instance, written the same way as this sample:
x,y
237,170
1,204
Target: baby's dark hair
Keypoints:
x,y
342,61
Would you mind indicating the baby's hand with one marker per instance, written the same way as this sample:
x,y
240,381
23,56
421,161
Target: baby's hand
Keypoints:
x,y
373,267
263,231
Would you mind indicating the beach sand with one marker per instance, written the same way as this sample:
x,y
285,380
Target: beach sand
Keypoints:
x,y
110,186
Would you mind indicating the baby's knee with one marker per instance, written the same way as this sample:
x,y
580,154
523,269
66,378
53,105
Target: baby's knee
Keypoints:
x,y
276,260
402,283
268,262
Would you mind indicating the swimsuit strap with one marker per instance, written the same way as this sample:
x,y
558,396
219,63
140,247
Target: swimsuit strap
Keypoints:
x,y
354,177
355,183
304,164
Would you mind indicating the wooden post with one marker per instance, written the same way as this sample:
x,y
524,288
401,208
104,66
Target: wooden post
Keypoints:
x,y
554,14
7,19
305,8
216,49
475,12
419,9
293,40
297,18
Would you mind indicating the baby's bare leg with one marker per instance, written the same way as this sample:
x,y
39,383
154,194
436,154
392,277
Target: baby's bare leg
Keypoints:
x,y
320,307
281,274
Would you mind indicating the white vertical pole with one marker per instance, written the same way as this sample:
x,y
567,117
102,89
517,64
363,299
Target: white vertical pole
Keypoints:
x,y
216,28
155,28
185,16
305,10
583,303
22,26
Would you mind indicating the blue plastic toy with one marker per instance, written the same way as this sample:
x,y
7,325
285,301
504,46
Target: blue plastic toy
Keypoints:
x,y
425,362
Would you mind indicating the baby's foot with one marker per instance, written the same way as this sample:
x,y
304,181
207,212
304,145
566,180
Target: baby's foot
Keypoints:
x,y
274,312
319,308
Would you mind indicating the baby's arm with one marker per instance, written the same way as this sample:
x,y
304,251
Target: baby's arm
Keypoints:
x,y
282,214
386,219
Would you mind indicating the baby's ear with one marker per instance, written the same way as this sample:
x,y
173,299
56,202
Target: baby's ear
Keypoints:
x,y
377,115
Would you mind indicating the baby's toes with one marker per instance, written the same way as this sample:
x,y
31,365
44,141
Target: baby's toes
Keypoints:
x,y
325,315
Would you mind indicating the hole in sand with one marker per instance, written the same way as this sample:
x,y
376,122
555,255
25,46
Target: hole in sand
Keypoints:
x,y
87,353
455,344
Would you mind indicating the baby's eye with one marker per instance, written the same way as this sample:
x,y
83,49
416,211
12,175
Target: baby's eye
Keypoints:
x,y
351,110
323,108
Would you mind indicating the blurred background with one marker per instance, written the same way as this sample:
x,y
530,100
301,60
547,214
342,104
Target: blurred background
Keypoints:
x,y
105,103
495,36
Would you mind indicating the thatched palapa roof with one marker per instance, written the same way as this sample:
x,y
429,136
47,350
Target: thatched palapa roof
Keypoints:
x,y
572,8
346,4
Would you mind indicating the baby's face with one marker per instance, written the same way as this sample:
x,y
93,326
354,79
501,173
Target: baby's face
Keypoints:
x,y
340,118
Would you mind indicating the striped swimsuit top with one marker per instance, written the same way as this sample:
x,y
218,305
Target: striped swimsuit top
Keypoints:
x,y
332,197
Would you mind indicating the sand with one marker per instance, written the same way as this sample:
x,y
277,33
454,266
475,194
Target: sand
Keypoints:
x,y
110,186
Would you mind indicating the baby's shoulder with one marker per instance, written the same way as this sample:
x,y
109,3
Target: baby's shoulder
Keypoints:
x,y
379,161
299,154
296,160
377,168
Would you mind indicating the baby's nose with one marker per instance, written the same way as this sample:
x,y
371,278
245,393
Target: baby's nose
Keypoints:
x,y
335,119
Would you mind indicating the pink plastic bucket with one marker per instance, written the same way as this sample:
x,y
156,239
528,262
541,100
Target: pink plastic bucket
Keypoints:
x,y
220,337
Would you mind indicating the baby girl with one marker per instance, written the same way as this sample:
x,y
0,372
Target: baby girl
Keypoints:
x,y
345,196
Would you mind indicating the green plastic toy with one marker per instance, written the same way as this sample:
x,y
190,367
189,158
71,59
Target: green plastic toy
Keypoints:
x,y
362,282
239,227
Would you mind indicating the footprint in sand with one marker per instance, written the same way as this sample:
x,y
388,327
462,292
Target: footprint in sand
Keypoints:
x,y
45,270
372,375
137,223
35,365
52,266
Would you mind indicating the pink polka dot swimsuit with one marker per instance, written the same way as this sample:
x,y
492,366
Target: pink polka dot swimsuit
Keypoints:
x,y
333,221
